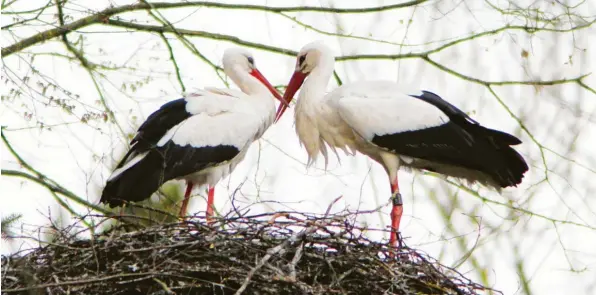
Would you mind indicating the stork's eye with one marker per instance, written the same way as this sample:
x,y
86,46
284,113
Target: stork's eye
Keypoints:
x,y
251,60
301,59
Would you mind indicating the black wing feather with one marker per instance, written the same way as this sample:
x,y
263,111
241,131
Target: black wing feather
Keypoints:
x,y
460,142
163,163
159,122
450,110
155,127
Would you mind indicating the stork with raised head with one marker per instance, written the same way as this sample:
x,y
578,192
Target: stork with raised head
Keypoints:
x,y
396,128
200,138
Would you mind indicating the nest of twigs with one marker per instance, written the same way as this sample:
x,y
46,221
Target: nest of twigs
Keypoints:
x,y
292,254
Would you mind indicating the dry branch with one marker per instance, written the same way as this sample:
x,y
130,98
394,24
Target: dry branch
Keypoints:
x,y
108,12
295,254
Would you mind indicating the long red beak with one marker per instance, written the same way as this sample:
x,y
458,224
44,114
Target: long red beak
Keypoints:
x,y
255,73
293,86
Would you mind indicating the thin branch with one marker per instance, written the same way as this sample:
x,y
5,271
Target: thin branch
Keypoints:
x,y
512,207
281,248
89,67
174,62
39,12
348,36
502,83
189,45
56,188
202,34
88,281
6,5
585,86
527,29
45,181
103,15
422,55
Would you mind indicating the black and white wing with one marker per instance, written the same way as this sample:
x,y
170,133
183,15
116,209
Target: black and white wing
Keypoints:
x,y
427,127
183,137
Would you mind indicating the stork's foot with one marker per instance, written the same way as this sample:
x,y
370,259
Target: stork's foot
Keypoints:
x,y
398,250
399,243
396,241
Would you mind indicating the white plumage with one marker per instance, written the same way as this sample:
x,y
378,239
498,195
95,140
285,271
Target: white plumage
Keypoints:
x,y
219,119
200,138
369,107
396,126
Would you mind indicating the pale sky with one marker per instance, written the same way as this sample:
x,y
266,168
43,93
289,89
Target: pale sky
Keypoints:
x,y
558,258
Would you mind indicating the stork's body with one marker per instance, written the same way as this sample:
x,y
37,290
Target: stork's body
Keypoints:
x,y
200,138
397,128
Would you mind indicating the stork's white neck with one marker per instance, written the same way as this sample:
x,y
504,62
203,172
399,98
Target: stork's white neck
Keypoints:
x,y
312,111
315,86
247,83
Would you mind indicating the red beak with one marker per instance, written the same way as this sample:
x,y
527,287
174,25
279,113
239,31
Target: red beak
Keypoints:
x,y
293,86
255,73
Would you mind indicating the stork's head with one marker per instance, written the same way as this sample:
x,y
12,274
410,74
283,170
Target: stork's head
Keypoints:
x,y
313,57
238,59
237,62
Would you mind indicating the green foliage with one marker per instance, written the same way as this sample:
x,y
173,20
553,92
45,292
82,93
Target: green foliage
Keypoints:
x,y
7,222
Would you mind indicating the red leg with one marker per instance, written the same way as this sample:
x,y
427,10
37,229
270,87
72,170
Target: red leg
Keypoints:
x,y
186,199
210,195
396,213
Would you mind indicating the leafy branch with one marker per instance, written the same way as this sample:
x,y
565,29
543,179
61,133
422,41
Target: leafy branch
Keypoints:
x,y
7,222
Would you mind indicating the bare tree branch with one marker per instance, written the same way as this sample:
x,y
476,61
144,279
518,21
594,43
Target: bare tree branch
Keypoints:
x,y
103,15
174,62
45,181
422,55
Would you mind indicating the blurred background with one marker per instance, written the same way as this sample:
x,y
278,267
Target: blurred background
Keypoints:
x,y
71,102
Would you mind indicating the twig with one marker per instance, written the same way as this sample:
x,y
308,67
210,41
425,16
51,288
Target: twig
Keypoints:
x,y
295,259
164,286
45,181
80,282
107,13
174,62
164,258
279,248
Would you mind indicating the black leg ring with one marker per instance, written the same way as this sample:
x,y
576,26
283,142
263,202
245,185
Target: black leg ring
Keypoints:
x,y
400,240
397,200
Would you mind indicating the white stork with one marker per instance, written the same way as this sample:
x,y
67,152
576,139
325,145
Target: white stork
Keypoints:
x,y
200,138
417,130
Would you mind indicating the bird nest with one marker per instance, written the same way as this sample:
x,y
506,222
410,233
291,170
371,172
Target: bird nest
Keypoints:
x,y
283,253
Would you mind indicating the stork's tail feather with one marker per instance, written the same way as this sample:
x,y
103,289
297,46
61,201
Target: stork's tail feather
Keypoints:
x,y
510,166
134,184
512,170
